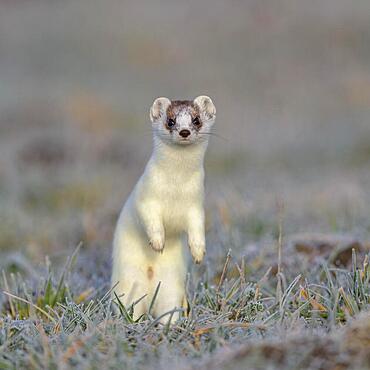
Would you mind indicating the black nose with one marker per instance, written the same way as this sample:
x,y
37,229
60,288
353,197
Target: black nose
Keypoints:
x,y
184,133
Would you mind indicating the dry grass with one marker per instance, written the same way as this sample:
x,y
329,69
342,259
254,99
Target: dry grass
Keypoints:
x,y
254,320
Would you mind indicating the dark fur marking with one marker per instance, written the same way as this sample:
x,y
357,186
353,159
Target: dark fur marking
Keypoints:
x,y
150,273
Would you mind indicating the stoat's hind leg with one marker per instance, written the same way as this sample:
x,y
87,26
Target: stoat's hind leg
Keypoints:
x,y
170,297
130,276
170,270
131,287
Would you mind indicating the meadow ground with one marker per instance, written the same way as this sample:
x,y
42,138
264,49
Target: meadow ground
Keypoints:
x,y
285,283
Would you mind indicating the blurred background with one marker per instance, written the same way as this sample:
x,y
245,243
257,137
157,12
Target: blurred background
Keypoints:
x,y
290,80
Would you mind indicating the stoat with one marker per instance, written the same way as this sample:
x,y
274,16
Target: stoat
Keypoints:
x,y
163,217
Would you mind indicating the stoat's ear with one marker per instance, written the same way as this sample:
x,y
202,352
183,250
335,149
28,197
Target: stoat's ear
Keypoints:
x,y
206,106
159,108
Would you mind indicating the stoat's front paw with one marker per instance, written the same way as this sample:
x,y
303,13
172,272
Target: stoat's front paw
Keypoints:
x,y
198,250
157,241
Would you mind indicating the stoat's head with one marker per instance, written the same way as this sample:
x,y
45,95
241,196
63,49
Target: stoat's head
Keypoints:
x,y
183,121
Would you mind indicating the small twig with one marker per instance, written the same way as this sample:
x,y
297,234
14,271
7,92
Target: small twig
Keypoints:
x,y
280,206
279,290
241,271
222,278
264,278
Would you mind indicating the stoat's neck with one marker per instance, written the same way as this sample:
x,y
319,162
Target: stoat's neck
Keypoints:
x,y
178,157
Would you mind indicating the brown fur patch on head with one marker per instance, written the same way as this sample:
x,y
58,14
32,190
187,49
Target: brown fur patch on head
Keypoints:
x,y
150,272
178,107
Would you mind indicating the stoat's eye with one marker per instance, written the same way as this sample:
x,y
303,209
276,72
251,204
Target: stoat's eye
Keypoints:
x,y
196,121
171,122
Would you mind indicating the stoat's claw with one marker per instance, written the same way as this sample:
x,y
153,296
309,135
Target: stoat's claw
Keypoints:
x,y
197,251
157,242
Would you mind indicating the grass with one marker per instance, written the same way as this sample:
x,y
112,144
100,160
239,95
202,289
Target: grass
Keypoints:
x,y
292,123
244,319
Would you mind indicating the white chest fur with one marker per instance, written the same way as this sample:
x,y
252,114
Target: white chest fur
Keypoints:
x,y
173,182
